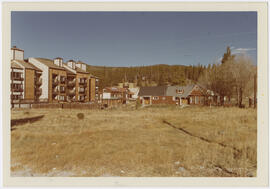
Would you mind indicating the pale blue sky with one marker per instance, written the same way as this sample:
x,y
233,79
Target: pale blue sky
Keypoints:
x,y
135,38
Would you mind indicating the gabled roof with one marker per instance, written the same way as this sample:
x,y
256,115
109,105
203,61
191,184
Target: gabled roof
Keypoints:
x,y
79,69
15,48
76,68
49,63
26,65
15,65
171,90
153,91
116,89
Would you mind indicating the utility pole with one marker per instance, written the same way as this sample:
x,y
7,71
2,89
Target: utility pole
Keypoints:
x,y
255,91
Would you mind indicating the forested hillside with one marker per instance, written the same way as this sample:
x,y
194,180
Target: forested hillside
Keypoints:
x,y
147,75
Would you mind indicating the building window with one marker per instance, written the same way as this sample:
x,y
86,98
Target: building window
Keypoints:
x,y
164,98
61,97
155,98
62,79
62,89
81,97
81,89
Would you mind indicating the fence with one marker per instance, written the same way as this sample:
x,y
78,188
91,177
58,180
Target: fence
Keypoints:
x,y
58,105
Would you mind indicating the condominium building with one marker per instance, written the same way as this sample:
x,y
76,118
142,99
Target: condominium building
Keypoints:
x,y
65,81
47,80
85,83
54,78
25,79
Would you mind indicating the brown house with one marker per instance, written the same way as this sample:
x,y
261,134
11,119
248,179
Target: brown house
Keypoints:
x,y
115,96
178,95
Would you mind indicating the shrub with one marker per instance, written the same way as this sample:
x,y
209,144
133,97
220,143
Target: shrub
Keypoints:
x,y
80,115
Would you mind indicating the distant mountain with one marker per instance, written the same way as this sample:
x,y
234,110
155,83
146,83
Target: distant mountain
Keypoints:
x,y
160,74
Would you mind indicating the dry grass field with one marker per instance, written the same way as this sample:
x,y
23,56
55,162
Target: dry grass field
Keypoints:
x,y
212,142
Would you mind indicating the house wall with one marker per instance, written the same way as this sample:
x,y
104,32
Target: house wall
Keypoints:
x,y
163,100
45,78
59,73
29,84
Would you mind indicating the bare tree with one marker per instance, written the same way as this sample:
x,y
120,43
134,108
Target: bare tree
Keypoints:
x,y
233,76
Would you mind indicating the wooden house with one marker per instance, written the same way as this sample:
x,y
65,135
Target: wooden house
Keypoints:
x,y
191,94
115,96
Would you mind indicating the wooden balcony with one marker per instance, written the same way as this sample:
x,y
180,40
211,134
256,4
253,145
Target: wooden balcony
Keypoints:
x,y
82,91
62,90
71,83
55,82
38,91
38,81
55,92
62,81
71,92
17,90
17,78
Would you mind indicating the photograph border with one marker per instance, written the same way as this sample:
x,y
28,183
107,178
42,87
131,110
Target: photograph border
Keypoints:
x,y
262,108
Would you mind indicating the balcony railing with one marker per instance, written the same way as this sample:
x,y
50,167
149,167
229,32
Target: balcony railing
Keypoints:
x,y
16,97
82,91
54,75
39,81
82,99
17,78
38,91
62,81
62,90
55,92
17,90
82,82
55,82
71,92
71,83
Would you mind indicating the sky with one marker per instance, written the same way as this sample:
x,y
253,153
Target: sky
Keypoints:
x,y
135,38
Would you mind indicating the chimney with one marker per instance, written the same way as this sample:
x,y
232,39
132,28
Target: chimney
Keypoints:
x,y
81,65
71,64
58,61
17,54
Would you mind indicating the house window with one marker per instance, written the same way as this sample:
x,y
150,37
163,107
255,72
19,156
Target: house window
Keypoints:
x,y
164,98
179,91
155,98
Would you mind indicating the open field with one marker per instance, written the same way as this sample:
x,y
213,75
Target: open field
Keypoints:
x,y
144,142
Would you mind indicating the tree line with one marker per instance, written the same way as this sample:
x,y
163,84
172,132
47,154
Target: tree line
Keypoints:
x,y
155,75
232,77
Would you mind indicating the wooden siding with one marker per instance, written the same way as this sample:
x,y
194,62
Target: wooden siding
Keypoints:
x,y
29,84
92,89
163,100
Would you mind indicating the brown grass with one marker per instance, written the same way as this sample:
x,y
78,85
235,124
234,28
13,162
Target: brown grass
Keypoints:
x,y
126,142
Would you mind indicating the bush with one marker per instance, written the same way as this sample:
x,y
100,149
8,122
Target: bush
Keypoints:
x,y
27,113
80,115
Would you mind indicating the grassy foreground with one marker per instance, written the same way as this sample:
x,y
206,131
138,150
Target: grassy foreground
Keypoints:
x,y
126,142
